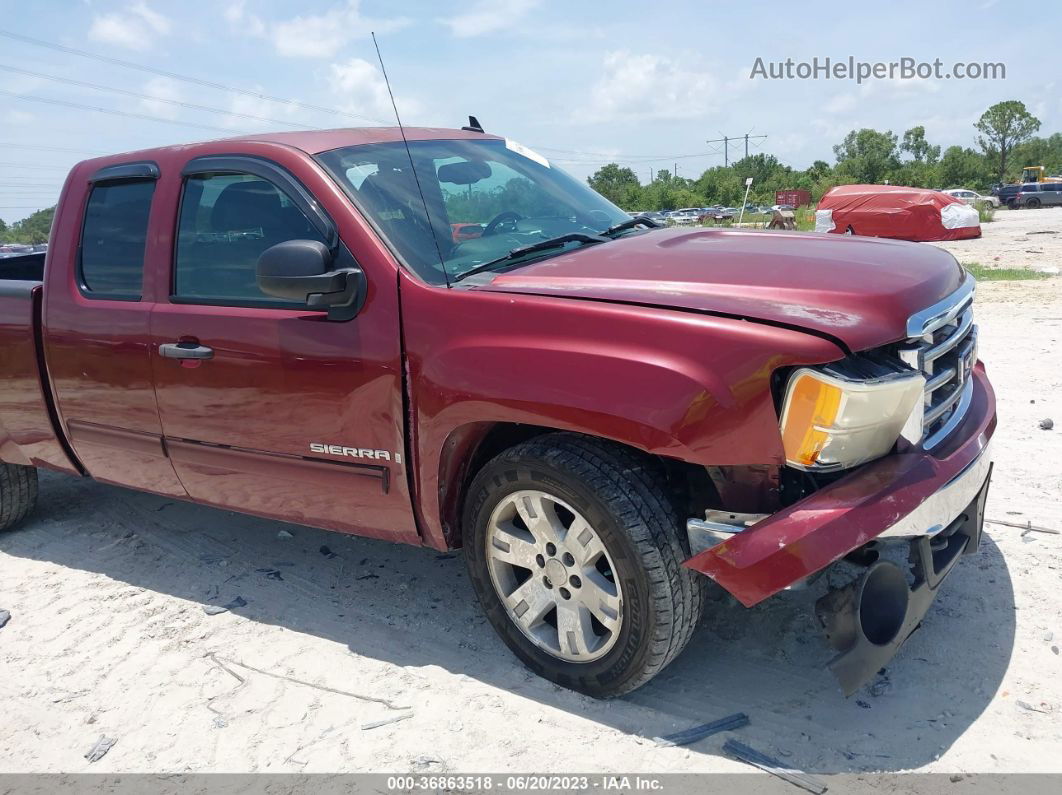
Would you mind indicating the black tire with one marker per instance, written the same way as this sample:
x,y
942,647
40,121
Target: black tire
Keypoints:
x,y
622,495
18,493
1032,204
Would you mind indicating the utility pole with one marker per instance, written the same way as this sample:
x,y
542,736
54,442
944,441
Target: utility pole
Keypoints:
x,y
725,141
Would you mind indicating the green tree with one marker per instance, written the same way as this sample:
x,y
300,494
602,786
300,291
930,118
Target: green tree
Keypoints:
x,y
3,228
618,184
916,145
867,155
961,167
33,228
1001,128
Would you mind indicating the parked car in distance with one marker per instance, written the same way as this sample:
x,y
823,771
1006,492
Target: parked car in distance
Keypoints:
x,y
716,214
1006,194
686,216
460,232
602,415
971,197
1039,194
652,215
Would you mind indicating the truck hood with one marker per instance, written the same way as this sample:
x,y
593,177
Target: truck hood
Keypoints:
x,y
859,291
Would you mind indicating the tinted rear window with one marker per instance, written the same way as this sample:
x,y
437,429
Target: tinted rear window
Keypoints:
x,y
112,243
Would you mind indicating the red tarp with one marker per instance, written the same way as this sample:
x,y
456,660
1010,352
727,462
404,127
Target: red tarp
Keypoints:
x,y
897,212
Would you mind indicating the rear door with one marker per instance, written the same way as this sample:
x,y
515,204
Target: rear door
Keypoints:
x,y
289,415
96,329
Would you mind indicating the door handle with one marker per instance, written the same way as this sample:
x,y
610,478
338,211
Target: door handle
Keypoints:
x,y
185,350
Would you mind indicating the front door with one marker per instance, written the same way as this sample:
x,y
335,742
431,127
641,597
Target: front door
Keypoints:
x,y
268,407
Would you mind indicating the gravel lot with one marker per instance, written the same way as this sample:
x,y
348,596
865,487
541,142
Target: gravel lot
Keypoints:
x,y
1015,239
108,636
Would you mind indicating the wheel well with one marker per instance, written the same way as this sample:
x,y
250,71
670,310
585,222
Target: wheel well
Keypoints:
x,y
473,446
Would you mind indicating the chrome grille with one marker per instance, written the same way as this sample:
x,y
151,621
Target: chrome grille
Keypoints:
x,y
943,346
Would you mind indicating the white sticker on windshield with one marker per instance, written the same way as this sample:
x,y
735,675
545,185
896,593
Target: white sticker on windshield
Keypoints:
x,y
530,154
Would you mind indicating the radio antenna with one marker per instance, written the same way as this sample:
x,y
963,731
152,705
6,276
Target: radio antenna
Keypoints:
x,y
412,167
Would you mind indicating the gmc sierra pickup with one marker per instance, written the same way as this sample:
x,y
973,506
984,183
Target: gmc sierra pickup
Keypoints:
x,y
444,340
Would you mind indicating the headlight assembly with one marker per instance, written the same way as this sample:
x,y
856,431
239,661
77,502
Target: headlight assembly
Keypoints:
x,y
830,423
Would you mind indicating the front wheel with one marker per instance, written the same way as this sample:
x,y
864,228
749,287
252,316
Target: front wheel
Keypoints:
x,y
574,550
18,493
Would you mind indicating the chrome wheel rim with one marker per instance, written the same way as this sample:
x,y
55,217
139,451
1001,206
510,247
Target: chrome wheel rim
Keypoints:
x,y
553,576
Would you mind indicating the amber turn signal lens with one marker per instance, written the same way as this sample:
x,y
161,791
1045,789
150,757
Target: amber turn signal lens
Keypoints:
x,y
812,410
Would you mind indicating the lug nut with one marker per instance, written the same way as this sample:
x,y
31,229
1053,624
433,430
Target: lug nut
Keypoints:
x,y
551,550
541,561
575,582
546,582
565,593
569,559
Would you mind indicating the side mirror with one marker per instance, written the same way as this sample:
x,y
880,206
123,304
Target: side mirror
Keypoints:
x,y
299,270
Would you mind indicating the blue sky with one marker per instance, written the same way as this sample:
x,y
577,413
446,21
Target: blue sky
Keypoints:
x,y
642,83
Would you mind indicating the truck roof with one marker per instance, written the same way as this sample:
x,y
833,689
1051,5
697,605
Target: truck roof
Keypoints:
x,y
314,141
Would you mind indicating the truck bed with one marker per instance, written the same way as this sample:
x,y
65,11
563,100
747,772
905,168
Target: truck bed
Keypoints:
x,y
27,415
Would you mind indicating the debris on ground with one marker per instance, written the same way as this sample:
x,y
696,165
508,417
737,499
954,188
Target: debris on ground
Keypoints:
x,y
751,756
283,534
692,735
213,610
1025,705
100,749
1028,527
327,551
375,724
1047,424
272,574
5,616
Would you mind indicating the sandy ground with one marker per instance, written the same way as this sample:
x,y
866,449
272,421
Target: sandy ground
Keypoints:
x,y
108,636
1015,239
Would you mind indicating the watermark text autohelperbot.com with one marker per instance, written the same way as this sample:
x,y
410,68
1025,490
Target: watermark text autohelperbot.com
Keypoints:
x,y
861,71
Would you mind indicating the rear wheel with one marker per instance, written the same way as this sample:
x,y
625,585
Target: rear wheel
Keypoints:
x,y
574,550
18,493
1032,204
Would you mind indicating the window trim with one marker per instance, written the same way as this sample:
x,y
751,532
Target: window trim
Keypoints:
x,y
271,172
280,178
133,171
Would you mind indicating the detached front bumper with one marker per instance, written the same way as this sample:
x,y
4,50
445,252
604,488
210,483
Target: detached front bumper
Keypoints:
x,y
934,501
905,494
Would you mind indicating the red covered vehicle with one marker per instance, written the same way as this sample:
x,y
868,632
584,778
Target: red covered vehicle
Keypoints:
x,y
896,212
602,413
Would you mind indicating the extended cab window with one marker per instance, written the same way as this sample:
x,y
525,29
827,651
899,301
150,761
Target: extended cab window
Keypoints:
x,y
226,222
113,239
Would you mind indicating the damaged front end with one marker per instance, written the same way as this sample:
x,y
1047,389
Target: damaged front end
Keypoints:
x,y
869,619
927,493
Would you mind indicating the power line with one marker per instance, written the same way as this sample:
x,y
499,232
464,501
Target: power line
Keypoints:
x,y
184,78
725,140
177,103
51,149
113,112
30,165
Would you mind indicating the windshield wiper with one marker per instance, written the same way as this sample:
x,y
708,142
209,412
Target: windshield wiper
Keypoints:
x,y
623,226
542,245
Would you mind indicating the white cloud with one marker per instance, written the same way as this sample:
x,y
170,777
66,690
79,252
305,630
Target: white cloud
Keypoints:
x,y
240,19
360,89
488,16
136,27
163,88
255,106
644,86
324,35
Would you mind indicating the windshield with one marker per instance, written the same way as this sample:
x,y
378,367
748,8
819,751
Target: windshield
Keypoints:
x,y
484,198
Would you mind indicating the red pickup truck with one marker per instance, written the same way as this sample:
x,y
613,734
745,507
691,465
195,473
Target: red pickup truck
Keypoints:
x,y
601,413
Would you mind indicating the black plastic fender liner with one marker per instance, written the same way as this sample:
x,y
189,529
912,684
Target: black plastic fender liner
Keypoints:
x,y
869,619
